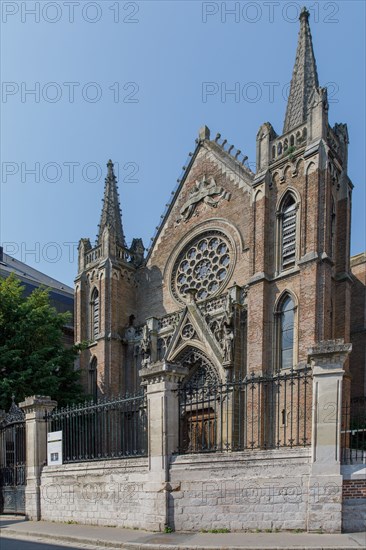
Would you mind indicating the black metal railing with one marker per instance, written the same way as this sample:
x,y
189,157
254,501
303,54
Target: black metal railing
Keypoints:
x,y
353,435
257,412
107,429
13,461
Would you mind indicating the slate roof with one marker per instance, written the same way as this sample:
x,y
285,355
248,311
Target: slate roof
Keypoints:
x,y
61,295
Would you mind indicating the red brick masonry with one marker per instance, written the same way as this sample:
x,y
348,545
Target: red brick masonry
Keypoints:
x,y
354,488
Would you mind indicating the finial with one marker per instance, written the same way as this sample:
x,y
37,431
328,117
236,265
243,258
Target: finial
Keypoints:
x,y
304,14
110,166
204,133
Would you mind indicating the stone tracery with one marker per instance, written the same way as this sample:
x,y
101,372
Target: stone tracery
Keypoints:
x,y
203,265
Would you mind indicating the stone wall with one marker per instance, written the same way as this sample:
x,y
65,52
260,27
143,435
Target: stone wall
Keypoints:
x,y
110,493
248,490
240,491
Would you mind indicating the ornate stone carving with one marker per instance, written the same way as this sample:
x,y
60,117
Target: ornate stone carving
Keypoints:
x,y
201,371
146,346
228,343
206,191
188,332
204,265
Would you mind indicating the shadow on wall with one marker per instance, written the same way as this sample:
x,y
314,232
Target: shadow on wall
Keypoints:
x,y
149,294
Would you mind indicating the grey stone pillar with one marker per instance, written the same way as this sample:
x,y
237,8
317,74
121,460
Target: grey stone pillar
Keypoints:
x,y
35,408
325,488
161,380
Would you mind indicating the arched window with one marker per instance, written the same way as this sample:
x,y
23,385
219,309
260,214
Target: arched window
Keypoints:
x,y
93,379
332,229
288,232
286,332
94,318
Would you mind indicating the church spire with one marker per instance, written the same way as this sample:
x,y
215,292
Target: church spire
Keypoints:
x,y
111,212
304,77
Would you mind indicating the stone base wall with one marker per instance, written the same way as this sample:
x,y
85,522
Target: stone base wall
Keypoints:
x,y
265,490
257,490
110,493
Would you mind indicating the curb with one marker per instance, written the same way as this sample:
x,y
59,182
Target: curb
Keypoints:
x,y
148,546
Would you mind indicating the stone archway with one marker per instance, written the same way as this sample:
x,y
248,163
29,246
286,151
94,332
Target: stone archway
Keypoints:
x,y
199,414
202,372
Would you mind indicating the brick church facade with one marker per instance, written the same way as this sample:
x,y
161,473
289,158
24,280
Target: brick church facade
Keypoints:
x,y
247,271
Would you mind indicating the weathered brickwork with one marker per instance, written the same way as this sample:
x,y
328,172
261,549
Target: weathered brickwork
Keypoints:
x,y
358,326
354,497
354,488
306,166
248,276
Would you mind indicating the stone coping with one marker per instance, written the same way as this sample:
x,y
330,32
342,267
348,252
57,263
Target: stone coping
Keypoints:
x,y
99,466
295,453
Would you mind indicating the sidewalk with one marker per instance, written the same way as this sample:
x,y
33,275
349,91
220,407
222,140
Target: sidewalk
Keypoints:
x,y
114,537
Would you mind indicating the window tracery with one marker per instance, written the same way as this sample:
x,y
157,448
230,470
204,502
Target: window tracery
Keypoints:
x,y
203,265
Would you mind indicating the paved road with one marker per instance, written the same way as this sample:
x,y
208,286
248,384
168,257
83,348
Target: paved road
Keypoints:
x,y
17,534
16,544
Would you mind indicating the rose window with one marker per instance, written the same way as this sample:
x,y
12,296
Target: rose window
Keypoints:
x,y
203,265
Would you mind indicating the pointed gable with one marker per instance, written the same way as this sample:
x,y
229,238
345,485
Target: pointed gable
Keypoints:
x,y
206,184
193,331
304,80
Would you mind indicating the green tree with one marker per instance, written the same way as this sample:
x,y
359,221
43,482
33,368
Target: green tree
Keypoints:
x,y
33,358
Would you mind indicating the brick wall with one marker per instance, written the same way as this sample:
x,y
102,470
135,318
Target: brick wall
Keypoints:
x,y
354,498
358,326
354,488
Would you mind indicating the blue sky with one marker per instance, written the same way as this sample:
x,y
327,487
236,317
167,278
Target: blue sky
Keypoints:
x,y
125,80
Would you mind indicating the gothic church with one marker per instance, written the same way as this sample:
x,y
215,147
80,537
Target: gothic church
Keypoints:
x,y
247,270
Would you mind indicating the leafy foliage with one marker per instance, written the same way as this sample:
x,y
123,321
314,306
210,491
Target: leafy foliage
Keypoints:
x,y
33,358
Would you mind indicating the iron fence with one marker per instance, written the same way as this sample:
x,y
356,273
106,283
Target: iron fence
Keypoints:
x,y
107,429
257,412
353,435
12,461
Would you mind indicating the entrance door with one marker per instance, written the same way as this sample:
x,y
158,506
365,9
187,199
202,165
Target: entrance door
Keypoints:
x,y
12,462
199,431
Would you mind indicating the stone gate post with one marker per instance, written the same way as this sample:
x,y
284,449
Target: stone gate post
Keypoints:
x,y
161,380
35,408
325,485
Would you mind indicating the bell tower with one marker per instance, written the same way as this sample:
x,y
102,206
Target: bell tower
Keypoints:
x,y
105,298
300,274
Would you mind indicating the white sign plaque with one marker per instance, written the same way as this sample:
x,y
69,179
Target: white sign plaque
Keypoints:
x,y
54,448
